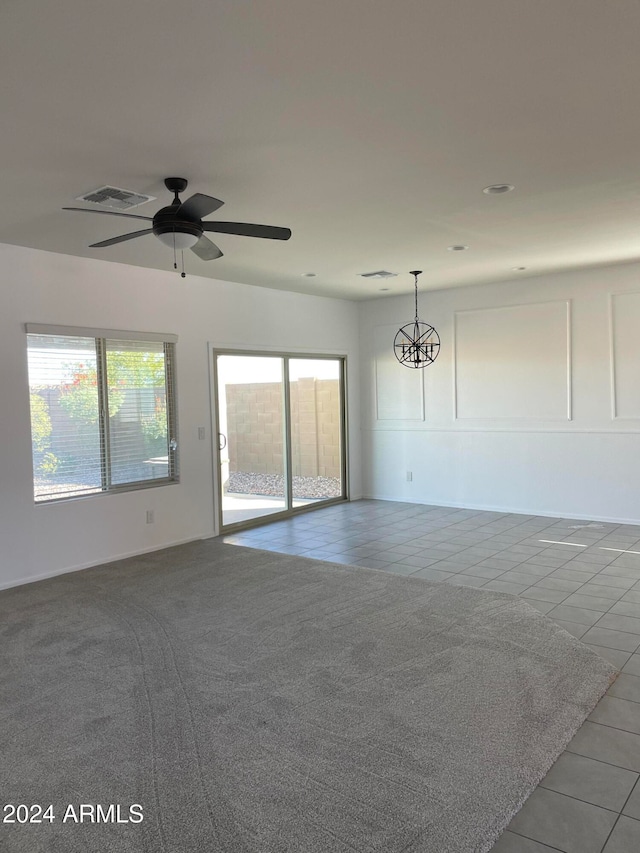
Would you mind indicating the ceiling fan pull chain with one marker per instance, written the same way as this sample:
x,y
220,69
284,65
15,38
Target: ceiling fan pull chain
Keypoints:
x,y
175,262
183,273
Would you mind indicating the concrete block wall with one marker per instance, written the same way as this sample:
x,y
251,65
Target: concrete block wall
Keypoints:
x,y
255,427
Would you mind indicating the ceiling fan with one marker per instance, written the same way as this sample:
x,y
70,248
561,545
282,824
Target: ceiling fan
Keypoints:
x,y
180,225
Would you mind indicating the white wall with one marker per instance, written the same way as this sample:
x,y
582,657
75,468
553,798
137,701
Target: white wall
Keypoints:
x,y
533,404
41,287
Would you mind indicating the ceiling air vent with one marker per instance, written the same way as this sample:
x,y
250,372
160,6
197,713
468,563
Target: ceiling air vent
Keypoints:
x,y
379,274
116,198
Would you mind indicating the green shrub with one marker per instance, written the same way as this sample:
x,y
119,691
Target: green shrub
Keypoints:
x,y
49,464
40,423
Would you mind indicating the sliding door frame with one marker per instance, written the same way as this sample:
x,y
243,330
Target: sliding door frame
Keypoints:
x,y
290,510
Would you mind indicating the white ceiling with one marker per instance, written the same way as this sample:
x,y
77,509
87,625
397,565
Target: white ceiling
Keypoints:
x,y
369,127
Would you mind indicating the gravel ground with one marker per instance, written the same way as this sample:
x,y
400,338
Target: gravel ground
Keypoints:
x,y
272,485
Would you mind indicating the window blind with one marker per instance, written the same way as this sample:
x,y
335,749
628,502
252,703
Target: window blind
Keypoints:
x,y
103,413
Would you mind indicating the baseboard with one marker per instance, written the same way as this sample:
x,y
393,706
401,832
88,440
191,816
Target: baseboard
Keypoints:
x,y
517,510
93,563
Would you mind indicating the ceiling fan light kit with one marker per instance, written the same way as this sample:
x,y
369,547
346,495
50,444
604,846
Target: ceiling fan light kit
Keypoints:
x,y
416,344
175,239
180,224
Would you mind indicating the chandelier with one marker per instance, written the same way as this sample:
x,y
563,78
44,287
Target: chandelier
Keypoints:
x,y
417,344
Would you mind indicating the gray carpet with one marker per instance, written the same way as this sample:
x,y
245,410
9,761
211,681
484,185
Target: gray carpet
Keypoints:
x,y
259,702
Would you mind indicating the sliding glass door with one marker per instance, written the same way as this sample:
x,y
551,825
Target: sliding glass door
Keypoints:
x,y
280,422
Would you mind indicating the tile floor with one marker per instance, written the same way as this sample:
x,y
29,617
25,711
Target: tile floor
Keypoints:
x,y
584,575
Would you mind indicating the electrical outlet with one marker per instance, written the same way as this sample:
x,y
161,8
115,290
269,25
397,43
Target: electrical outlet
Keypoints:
x,y
409,476
150,518
201,433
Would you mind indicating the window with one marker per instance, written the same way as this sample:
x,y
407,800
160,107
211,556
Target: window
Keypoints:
x,y
103,411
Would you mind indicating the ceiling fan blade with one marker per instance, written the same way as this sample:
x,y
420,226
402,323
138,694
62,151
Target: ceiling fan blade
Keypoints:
x,y
206,250
110,213
247,229
113,240
199,205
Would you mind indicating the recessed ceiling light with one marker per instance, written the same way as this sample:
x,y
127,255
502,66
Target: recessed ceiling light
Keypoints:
x,y
457,248
518,269
308,275
498,189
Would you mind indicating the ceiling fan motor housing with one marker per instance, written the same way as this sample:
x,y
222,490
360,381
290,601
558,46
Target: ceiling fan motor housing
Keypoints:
x,y
167,222
176,229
